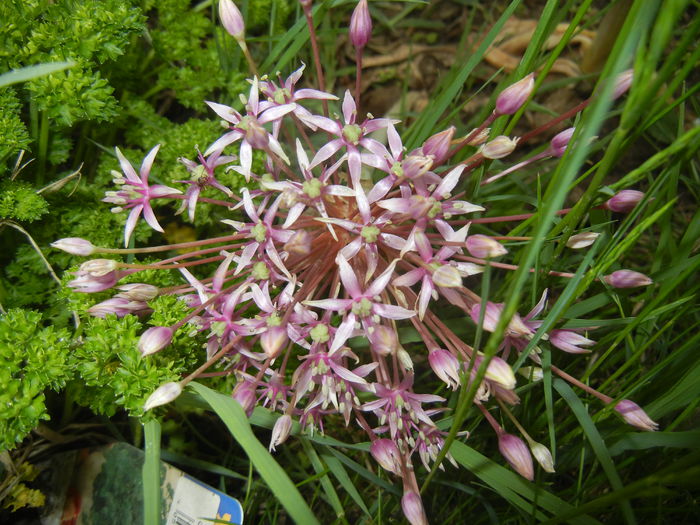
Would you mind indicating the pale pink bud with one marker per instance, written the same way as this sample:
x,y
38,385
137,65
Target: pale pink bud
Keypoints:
x,y
387,454
570,341
627,279
543,456
384,340
412,507
479,138
155,339
119,306
447,276
244,393
633,415
533,373
513,97
517,455
273,340
99,267
438,145
162,395
405,359
582,240
499,371
499,147
414,166
299,243
624,201
483,247
138,291
445,366
560,142
623,83
280,432
360,25
74,246
232,19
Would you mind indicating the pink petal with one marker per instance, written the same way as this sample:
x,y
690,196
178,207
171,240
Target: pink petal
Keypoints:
x,y
225,112
348,277
148,163
410,278
326,152
223,141
127,168
276,113
349,108
313,93
394,140
343,333
390,311
131,222
150,218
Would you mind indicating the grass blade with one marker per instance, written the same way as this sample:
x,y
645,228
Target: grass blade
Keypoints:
x,y
32,72
151,473
276,478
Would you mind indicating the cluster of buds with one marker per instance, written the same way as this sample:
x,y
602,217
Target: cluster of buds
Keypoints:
x,y
337,243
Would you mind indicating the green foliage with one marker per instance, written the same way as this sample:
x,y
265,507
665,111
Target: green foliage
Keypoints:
x,y
112,372
32,359
14,135
20,202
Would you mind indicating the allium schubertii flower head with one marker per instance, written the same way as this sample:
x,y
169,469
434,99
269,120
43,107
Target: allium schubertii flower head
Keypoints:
x,y
341,238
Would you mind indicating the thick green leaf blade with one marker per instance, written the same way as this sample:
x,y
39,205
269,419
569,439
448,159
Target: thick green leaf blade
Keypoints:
x,y
32,72
276,478
511,486
151,473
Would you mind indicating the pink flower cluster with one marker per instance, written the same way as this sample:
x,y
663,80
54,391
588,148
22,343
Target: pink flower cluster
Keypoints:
x,y
339,241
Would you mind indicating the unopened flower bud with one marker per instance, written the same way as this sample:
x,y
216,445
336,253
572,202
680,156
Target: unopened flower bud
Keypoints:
x,y
543,456
438,145
623,83
155,339
299,243
360,25
633,415
560,141
447,276
624,201
500,372
414,166
138,291
74,246
384,340
513,97
162,395
412,507
232,19
445,366
499,147
517,454
387,454
533,373
582,240
244,393
627,279
570,341
479,138
484,247
280,432
273,340
405,359
99,267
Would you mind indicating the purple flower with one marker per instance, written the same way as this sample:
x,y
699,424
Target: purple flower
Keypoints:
x,y
136,194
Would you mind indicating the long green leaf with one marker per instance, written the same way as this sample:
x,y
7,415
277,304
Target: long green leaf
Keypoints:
x,y
597,444
511,486
32,72
151,473
276,478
